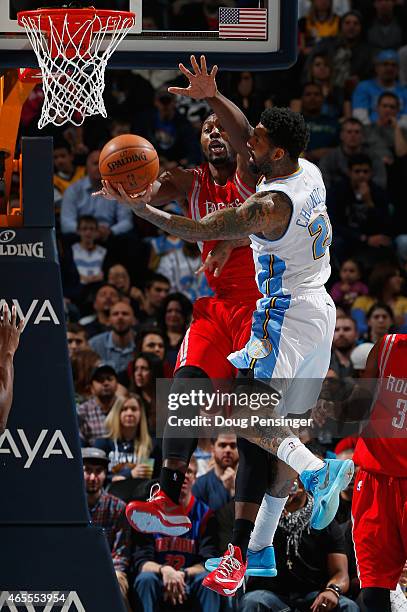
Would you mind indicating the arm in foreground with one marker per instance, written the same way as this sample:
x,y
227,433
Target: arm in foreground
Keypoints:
x,y
9,339
262,212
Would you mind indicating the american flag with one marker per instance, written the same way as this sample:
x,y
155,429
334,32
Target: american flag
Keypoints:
x,y
243,23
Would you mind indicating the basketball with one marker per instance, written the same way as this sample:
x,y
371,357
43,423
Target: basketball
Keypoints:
x,y
130,160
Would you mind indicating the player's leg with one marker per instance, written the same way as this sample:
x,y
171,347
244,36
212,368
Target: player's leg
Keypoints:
x,y
272,506
296,364
252,479
378,533
202,356
162,513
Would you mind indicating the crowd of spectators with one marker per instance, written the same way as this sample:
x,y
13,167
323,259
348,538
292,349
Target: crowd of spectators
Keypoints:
x,y
129,288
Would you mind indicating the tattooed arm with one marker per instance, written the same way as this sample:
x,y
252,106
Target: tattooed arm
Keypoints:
x,y
265,212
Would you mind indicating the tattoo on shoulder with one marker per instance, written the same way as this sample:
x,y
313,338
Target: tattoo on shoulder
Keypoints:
x,y
282,212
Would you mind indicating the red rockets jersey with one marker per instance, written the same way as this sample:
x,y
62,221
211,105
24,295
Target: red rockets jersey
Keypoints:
x,y
382,447
237,279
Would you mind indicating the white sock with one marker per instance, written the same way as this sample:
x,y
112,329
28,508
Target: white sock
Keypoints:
x,y
266,522
293,452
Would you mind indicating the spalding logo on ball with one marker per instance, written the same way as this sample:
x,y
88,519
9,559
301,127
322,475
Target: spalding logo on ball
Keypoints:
x,y
130,160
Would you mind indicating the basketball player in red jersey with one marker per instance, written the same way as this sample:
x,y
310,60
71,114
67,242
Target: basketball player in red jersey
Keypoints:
x,y
379,507
221,324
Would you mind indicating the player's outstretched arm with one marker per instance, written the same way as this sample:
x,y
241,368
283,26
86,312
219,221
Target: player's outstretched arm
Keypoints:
x,y
171,185
262,212
202,85
9,339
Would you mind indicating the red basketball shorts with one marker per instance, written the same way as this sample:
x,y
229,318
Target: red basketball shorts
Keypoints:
x,y
379,511
219,327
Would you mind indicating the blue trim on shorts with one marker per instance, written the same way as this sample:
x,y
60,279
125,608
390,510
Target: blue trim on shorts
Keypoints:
x,y
267,320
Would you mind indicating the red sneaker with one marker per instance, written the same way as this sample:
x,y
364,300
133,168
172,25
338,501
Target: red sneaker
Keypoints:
x,y
229,575
158,514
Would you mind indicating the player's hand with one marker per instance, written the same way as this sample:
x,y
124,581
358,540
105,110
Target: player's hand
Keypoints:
x,y
134,201
216,259
9,331
324,602
201,84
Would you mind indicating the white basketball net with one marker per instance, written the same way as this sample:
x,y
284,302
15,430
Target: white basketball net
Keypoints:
x,y
73,64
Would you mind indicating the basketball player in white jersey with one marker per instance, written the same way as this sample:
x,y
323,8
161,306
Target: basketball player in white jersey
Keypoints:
x,y
294,321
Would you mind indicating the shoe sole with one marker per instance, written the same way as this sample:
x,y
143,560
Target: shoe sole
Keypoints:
x,y
254,571
149,523
222,591
329,504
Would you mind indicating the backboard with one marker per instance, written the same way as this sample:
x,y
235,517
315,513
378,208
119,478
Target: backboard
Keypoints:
x,y
161,39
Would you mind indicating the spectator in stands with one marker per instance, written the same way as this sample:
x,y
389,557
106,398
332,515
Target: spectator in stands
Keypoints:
x,y
114,219
120,126
105,297
66,172
217,487
320,22
345,340
107,512
386,136
153,340
339,6
246,97
360,213
83,363
76,338
116,347
93,412
180,267
320,71
171,134
380,320
403,64
88,256
174,319
119,277
126,94
163,243
312,565
146,368
127,443
156,290
350,286
366,94
334,165
323,129
171,569
385,286
351,55
385,31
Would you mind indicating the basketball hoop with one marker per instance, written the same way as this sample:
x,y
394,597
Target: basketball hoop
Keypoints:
x,y
73,46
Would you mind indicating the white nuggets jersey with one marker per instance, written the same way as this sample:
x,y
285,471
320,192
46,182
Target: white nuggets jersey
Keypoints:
x,y
294,321
299,260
